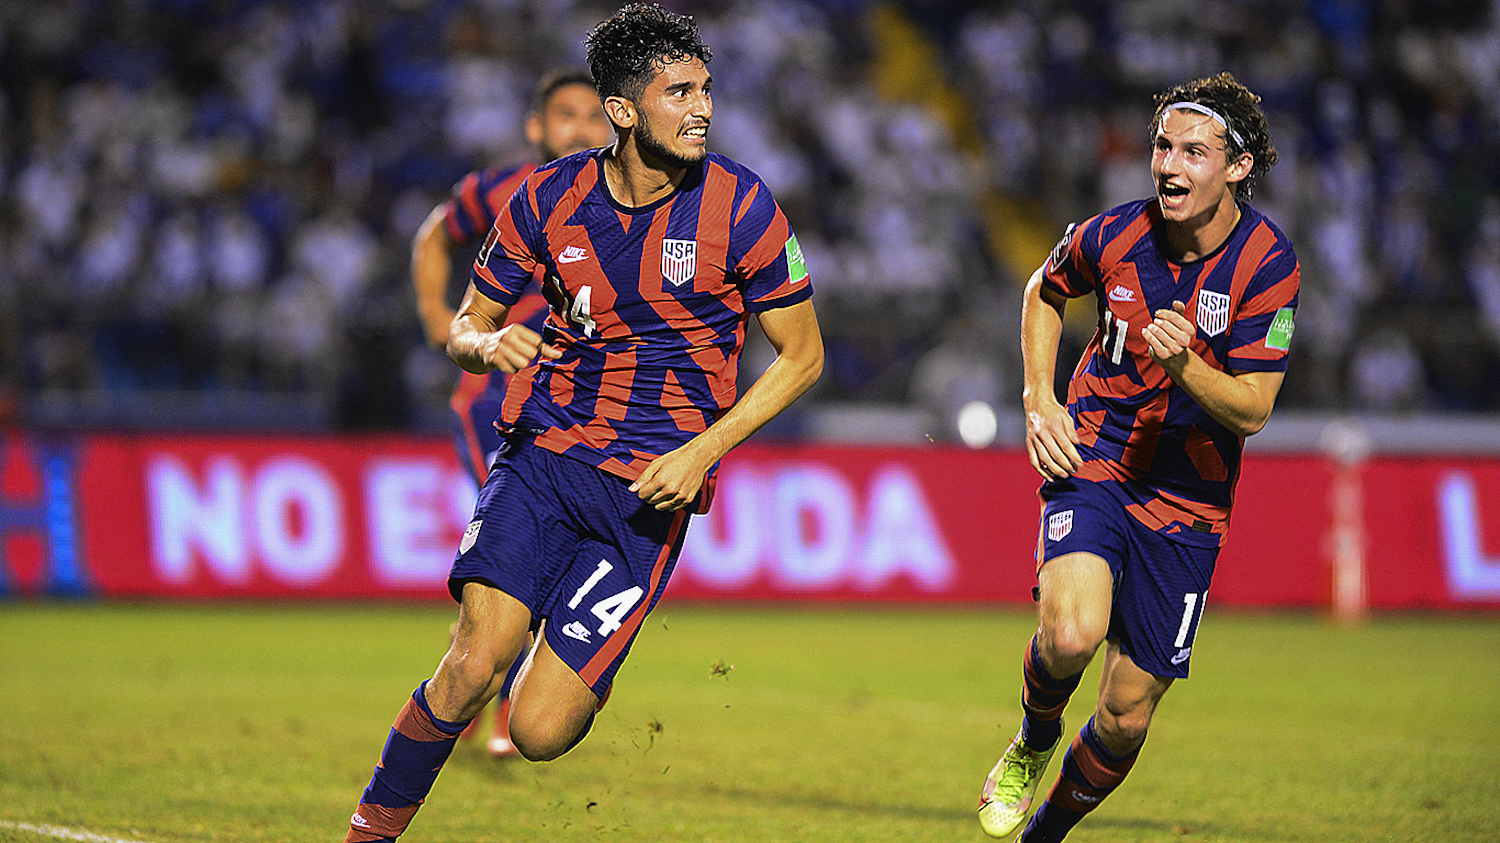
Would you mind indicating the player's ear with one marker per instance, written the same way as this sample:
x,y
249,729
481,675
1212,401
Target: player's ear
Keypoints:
x,y
1240,168
533,129
620,111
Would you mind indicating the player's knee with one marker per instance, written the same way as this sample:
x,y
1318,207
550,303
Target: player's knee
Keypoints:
x,y
1072,640
534,747
546,740
475,669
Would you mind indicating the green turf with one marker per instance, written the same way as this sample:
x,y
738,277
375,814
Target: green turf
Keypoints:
x,y
182,723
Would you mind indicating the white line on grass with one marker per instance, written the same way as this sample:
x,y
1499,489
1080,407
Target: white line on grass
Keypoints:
x,y
62,833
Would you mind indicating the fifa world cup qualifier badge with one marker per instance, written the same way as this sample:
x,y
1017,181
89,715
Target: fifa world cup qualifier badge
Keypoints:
x,y
1279,337
1060,251
483,259
796,266
471,534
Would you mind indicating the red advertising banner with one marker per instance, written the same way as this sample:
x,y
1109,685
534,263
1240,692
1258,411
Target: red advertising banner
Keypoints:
x,y
224,517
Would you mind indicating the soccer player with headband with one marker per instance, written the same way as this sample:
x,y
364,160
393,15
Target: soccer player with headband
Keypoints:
x,y
1196,293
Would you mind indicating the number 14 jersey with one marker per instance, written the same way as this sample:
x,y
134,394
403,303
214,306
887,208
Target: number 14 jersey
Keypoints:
x,y
648,305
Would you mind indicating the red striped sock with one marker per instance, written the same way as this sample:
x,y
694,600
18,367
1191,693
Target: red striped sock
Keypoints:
x,y
1090,772
1043,697
415,751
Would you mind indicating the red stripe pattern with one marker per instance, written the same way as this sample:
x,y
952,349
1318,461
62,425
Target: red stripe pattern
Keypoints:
x,y
1138,427
648,305
477,199
1087,777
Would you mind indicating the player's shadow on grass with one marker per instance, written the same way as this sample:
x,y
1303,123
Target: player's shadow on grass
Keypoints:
x,y
1181,829
935,813
826,802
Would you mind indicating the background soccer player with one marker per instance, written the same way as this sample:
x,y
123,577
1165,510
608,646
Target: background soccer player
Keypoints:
x,y
563,117
1196,292
655,253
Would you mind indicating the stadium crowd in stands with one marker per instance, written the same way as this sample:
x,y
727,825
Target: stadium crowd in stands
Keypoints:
x,y
216,197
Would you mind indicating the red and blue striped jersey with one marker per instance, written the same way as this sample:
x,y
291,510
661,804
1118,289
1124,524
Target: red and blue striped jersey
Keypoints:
x,y
648,305
477,199
1174,465
468,215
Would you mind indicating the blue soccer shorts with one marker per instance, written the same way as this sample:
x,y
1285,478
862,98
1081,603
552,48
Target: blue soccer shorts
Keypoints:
x,y
1159,584
574,545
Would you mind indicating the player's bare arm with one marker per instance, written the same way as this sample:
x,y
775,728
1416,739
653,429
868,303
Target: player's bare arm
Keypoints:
x,y
672,480
1241,401
478,344
431,266
1051,438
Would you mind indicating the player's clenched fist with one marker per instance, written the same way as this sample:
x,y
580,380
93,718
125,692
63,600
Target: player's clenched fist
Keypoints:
x,y
513,347
1169,334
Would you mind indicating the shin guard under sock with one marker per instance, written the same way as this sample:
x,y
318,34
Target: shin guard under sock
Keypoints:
x,y
416,749
1090,772
1043,697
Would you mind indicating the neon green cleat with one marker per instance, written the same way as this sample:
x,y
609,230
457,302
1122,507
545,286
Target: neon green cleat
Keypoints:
x,y
1006,797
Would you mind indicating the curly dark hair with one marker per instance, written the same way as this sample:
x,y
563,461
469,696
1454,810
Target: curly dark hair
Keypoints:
x,y
1240,108
627,51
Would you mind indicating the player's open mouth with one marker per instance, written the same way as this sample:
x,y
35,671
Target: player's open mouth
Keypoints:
x,y
695,133
1171,197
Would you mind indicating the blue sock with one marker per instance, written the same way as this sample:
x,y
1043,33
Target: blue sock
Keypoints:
x,y
1043,698
415,751
1090,772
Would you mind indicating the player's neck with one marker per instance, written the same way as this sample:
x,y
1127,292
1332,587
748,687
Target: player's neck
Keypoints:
x,y
1195,239
634,182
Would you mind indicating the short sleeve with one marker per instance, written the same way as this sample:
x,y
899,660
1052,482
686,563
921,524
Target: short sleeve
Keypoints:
x,y
507,262
766,254
1069,270
1260,338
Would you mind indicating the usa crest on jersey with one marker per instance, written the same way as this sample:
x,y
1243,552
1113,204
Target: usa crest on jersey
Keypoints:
x,y
679,260
1213,312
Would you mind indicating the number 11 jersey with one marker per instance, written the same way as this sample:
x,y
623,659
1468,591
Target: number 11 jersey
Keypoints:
x,y
1172,464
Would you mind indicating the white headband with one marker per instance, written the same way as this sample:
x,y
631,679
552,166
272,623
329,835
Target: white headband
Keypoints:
x,y
1205,110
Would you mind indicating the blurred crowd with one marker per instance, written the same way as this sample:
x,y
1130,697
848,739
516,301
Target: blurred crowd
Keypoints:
x,y
216,198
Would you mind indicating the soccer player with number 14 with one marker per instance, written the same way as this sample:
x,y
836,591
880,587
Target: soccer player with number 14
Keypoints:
x,y
655,253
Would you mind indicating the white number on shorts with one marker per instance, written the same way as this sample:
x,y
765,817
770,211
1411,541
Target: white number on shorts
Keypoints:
x,y
588,584
1190,602
612,610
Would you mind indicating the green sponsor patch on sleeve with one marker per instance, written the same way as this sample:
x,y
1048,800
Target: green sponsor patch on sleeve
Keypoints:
x,y
796,267
1280,335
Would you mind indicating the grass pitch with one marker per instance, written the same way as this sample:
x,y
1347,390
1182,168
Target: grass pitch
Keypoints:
x,y
169,723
